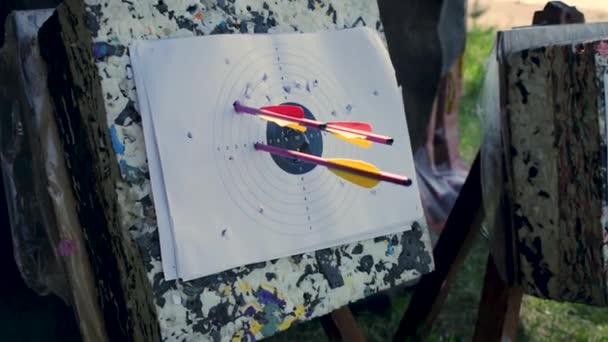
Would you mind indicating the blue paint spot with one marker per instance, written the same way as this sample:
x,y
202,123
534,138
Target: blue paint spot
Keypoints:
x,y
130,173
308,312
103,49
349,108
116,143
389,248
272,321
266,297
100,50
222,27
287,89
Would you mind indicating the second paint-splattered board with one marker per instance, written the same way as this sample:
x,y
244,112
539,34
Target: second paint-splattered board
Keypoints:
x,y
555,112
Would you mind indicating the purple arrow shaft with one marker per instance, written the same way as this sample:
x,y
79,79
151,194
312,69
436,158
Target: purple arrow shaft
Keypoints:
x,y
308,158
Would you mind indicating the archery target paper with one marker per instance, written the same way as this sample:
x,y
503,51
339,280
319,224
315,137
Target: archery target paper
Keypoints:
x,y
222,204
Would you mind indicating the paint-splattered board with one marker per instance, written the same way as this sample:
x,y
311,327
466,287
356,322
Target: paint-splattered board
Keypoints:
x,y
260,206
555,111
91,82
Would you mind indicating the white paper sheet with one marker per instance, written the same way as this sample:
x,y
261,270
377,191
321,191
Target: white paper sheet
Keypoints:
x,y
222,204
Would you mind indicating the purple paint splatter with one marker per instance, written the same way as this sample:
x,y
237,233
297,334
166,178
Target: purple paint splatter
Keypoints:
x,y
66,247
266,297
250,311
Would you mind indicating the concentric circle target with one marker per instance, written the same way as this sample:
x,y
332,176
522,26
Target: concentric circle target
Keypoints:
x,y
286,203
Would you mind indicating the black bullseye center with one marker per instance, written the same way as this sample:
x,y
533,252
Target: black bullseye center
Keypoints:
x,y
310,142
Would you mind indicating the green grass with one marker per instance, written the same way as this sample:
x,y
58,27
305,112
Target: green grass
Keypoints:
x,y
543,320
479,44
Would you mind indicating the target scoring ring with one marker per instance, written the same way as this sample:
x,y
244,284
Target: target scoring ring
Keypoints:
x,y
286,203
310,142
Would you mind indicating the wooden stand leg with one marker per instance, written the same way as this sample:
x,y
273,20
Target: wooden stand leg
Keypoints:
x,y
498,314
340,325
453,246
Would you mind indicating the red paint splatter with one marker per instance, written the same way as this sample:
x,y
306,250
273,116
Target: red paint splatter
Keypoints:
x,y
198,15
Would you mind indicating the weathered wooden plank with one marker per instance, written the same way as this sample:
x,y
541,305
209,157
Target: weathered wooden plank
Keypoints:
x,y
49,245
557,162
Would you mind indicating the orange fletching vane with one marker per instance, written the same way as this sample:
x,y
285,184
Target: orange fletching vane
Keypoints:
x,y
360,126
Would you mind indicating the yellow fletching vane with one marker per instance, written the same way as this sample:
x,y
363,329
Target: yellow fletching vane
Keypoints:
x,y
352,138
354,178
284,123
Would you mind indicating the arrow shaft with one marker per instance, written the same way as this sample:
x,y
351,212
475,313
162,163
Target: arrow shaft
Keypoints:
x,y
255,111
382,176
382,139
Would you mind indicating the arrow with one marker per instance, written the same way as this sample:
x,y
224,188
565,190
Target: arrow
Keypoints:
x,y
355,171
289,115
359,133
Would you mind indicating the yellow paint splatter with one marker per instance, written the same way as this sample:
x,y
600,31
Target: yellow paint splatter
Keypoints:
x,y
300,310
286,323
255,327
227,291
238,337
348,281
244,286
268,287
